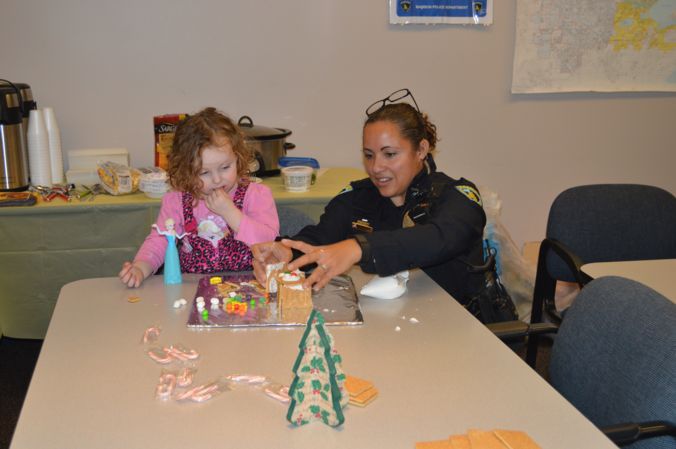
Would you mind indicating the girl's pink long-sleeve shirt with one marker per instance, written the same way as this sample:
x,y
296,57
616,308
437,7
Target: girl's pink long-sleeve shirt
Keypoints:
x,y
259,223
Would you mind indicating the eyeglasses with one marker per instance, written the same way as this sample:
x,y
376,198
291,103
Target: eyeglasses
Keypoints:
x,y
392,98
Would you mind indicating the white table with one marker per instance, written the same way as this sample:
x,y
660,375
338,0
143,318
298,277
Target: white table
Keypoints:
x,y
660,275
93,386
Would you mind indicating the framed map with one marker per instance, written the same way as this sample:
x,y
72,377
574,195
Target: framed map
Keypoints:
x,y
598,46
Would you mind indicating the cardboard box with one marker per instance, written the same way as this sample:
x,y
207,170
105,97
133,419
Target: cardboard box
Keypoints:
x,y
88,158
82,176
165,127
530,252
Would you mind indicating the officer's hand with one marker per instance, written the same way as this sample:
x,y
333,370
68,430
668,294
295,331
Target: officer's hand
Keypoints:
x,y
331,260
267,253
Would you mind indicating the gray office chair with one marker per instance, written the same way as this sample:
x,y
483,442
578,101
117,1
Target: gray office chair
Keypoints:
x,y
599,223
292,220
614,359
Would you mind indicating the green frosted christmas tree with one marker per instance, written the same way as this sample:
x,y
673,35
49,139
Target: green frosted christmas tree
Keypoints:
x,y
318,388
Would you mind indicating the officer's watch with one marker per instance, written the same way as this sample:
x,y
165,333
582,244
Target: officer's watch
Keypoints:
x,y
365,246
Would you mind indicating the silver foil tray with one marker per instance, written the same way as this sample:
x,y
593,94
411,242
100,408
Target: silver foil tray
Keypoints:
x,y
338,303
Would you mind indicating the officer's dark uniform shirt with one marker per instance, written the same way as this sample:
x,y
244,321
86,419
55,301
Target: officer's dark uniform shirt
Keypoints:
x,y
442,242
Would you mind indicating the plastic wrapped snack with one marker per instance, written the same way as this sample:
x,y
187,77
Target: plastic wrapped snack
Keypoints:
x,y
118,179
153,181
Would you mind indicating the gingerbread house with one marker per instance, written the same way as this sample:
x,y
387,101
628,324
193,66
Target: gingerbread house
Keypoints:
x,y
294,302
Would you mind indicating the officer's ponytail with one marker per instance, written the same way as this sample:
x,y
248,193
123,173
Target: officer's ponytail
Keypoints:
x,y
413,125
430,130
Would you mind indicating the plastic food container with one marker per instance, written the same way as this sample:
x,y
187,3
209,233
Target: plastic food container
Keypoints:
x,y
288,161
153,182
297,178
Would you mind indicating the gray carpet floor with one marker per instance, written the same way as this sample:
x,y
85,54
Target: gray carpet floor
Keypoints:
x,y
17,361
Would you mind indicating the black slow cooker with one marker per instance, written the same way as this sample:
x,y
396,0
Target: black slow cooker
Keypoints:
x,y
268,145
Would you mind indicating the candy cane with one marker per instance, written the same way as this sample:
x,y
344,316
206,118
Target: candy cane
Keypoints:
x,y
202,397
182,353
166,385
151,334
247,378
282,394
200,393
185,377
160,356
173,352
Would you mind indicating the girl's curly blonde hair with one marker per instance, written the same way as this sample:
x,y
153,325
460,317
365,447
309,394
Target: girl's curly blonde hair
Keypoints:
x,y
208,127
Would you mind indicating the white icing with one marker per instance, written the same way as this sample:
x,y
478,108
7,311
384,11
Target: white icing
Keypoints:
x,y
291,277
273,286
389,287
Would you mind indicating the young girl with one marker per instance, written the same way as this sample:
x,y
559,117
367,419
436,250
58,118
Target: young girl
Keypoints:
x,y
212,202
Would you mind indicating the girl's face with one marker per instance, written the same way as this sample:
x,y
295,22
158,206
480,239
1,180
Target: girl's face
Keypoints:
x,y
219,168
390,160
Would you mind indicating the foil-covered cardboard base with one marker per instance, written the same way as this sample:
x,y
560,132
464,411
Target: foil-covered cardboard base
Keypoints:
x,y
337,302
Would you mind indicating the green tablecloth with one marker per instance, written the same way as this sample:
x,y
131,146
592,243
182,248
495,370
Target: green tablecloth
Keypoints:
x,y
45,246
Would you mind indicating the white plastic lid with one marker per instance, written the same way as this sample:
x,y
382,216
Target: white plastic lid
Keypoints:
x,y
301,170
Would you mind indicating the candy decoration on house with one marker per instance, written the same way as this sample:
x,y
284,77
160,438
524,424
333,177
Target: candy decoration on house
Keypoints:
x,y
172,266
318,388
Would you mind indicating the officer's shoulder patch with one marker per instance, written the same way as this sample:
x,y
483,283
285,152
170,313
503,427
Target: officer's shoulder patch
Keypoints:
x,y
357,185
347,188
470,192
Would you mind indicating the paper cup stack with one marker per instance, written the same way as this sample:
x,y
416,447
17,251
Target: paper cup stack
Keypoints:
x,y
45,159
39,161
55,154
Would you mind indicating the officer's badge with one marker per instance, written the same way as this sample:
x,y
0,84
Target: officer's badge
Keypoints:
x,y
471,193
362,225
405,5
346,189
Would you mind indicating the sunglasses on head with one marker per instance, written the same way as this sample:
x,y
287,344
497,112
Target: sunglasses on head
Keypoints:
x,y
394,97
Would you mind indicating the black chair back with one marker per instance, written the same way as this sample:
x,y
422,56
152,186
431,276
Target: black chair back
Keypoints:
x,y
599,223
612,222
292,220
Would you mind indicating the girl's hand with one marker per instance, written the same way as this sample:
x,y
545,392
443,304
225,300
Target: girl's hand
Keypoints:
x,y
268,253
219,202
331,260
133,274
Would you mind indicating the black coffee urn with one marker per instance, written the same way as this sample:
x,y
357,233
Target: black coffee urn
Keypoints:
x,y
14,110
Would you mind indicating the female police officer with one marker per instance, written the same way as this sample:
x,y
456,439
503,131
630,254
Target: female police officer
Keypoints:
x,y
404,215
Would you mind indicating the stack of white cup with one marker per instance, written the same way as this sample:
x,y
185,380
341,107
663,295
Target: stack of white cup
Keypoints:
x,y
55,154
39,161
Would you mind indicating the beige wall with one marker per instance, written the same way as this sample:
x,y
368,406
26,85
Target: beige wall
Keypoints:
x,y
313,66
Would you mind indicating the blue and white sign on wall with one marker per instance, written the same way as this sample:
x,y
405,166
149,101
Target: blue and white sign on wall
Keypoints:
x,y
441,11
